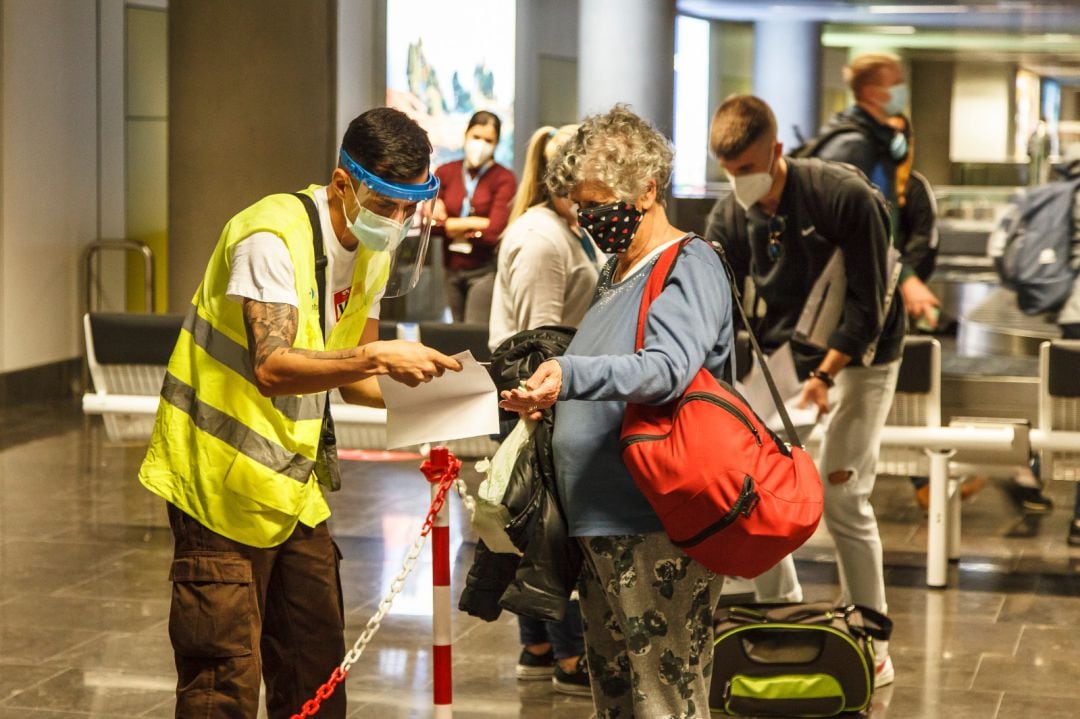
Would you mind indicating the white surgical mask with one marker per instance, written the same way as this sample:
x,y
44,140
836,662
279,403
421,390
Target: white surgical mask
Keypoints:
x,y
376,232
751,187
478,152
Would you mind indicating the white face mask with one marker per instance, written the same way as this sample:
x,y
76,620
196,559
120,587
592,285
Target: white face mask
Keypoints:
x,y
752,187
376,232
478,152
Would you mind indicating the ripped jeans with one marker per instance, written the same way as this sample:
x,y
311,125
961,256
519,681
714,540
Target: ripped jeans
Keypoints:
x,y
858,407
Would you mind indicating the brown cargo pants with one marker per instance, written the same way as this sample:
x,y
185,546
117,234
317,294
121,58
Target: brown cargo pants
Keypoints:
x,y
240,614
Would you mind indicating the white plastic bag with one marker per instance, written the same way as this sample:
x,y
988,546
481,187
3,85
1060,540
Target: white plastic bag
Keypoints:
x,y
491,517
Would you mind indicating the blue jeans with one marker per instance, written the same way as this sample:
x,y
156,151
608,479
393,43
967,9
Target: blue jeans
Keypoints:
x,y
567,637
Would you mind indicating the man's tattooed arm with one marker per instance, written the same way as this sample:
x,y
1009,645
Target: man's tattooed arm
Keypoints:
x,y
270,326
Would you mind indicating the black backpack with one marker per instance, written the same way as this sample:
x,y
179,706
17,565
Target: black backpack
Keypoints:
x,y
813,146
1031,246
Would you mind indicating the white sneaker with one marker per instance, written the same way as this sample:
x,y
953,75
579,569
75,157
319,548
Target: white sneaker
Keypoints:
x,y
884,674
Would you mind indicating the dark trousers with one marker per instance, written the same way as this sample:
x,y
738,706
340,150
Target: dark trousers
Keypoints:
x,y
567,637
240,614
468,293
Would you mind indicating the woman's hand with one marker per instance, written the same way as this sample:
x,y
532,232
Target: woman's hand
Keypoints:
x,y
541,391
438,214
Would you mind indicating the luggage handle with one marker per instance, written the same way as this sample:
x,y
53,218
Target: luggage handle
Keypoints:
x,y
658,278
874,624
862,621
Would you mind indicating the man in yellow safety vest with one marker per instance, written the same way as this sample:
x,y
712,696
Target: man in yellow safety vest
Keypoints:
x,y
243,437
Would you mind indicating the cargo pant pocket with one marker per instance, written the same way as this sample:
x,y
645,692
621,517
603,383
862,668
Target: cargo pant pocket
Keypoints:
x,y
213,606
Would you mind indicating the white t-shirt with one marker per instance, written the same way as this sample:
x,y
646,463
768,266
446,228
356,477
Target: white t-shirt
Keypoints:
x,y
262,270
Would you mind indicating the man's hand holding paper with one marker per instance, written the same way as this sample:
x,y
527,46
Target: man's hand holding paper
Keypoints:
x,y
453,405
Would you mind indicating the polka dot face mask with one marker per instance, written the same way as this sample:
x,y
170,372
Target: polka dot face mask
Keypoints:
x,y
611,227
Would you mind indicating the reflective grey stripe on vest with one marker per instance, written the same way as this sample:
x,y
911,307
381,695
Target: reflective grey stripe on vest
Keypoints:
x,y
235,356
235,433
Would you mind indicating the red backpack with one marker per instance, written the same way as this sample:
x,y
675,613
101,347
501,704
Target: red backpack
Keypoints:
x,y
728,491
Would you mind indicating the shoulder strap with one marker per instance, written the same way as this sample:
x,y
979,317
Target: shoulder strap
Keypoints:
x,y
320,254
658,277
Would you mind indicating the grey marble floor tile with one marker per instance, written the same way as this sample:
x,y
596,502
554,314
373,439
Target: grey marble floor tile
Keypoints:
x,y
1041,609
147,653
21,644
73,613
943,635
16,678
901,702
1022,706
1045,678
94,691
1056,643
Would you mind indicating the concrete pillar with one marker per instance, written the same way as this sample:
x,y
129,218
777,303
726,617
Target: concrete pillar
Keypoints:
x,y
252,87
626,53
787,74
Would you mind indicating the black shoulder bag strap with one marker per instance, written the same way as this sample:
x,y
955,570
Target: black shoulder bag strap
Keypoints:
x,y
789,428
327,469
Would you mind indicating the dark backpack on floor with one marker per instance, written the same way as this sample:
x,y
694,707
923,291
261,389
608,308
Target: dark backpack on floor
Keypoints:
x,y
794,660
1031,246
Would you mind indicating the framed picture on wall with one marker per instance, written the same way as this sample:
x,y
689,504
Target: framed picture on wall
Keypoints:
x,y
445,61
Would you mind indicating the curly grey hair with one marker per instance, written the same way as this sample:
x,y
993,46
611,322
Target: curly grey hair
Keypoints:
x,y
618,150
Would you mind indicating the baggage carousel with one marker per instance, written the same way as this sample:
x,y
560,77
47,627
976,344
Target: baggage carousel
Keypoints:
x,y
991,367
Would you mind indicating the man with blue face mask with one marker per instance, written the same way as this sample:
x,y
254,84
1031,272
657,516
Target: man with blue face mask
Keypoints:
x,y
870,143
243,442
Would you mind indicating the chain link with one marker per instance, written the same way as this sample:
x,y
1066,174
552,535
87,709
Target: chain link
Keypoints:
x,y
447,479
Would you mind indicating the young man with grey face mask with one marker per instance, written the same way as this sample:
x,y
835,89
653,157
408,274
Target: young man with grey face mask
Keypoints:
x,y
781,226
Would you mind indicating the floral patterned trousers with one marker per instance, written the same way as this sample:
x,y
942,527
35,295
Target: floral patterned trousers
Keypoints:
x,y
647,610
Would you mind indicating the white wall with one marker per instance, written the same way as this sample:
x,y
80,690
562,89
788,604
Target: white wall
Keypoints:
x,y
361,59
981,104
546,30
48,150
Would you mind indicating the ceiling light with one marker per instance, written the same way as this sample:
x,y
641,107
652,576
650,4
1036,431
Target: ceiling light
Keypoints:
x,y
917,9
896,30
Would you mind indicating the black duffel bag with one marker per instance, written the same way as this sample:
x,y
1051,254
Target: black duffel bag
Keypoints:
x,y
795,660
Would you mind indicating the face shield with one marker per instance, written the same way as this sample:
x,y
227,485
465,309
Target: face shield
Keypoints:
x,y
394,223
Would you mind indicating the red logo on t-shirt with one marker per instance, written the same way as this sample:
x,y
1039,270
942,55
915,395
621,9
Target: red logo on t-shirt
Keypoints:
x,y
341,298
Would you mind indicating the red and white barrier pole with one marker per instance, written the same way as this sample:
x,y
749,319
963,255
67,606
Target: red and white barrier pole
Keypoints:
x,y
441,462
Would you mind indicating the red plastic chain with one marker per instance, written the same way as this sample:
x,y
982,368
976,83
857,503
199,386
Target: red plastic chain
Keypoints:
x,y
311,707
442,468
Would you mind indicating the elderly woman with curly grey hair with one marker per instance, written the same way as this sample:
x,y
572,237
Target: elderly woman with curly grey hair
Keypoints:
x,y
647,606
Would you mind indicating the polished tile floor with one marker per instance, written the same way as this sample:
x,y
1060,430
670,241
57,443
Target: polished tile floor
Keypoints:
x,y
84,554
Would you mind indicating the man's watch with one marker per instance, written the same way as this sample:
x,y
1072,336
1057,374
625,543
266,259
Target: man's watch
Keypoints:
x,y
823,376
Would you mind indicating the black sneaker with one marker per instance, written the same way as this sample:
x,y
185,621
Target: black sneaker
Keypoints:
x,y
1034,501
532,667
575,682
1074,533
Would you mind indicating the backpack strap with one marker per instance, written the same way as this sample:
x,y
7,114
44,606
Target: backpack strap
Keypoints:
x,y
320,253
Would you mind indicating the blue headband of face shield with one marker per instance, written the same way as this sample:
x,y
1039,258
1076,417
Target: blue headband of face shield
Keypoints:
x,y
411,193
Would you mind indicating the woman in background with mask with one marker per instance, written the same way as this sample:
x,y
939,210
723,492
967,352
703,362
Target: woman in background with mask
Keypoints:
x,y
473,209
647,606
546,275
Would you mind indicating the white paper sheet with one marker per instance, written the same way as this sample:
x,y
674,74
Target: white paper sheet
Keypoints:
x,y
756,391
455,406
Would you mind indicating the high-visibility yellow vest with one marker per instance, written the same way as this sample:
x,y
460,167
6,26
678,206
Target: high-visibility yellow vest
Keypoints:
x,y
238,462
